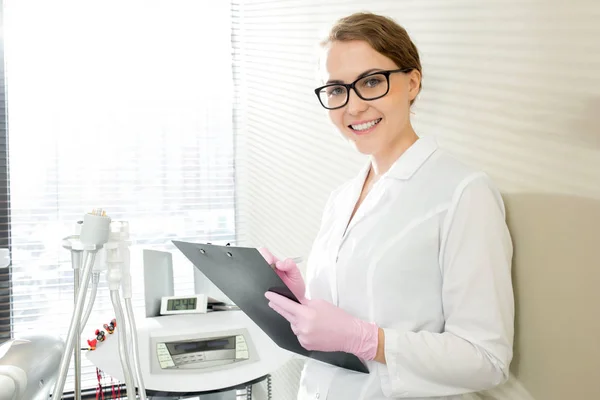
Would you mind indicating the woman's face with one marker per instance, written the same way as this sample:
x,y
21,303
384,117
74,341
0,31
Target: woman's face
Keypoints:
x,y
375,125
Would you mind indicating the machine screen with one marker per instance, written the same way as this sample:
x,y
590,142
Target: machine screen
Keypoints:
x,y
181,304
226,343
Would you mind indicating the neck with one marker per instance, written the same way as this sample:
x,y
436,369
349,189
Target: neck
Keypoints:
x,y
383,161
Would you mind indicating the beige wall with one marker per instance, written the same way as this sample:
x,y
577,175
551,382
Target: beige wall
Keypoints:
x,y
557,275
512,87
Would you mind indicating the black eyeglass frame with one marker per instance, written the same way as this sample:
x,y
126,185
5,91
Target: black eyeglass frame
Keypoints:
x,y
349,86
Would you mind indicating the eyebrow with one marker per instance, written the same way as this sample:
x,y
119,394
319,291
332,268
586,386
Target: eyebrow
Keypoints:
x,y
365,73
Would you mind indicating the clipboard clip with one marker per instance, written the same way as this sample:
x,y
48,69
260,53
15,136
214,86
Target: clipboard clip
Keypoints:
x,y
296,260
228,253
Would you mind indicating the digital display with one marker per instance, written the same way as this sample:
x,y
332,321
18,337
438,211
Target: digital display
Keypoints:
x,y
219,344
181,304
187,347
226,343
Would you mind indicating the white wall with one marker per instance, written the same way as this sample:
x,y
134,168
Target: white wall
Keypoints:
x,y
510,86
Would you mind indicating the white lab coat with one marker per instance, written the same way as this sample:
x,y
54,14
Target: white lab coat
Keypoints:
x,y
427,257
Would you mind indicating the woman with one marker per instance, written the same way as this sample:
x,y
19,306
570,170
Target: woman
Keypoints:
x,y
411,268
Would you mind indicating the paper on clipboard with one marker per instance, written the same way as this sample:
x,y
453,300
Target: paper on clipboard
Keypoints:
x,y
244,276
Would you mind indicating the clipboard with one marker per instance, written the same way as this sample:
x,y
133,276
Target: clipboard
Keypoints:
x,y
244,276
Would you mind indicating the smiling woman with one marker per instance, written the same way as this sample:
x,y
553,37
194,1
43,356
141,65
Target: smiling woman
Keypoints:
x,y
411,267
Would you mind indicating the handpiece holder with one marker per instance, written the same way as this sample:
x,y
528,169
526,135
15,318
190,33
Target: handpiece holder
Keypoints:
x,y
74,243
94,234
102,245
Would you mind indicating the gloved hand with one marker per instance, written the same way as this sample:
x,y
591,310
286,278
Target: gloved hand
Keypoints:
x,y
322,326
288,272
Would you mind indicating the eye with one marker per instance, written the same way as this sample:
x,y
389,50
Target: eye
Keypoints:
x,y
372,81
333,91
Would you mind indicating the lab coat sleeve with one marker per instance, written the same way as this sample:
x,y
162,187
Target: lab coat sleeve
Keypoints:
x,y
475,350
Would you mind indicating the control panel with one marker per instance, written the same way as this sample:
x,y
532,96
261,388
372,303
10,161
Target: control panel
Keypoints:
x,y
208,352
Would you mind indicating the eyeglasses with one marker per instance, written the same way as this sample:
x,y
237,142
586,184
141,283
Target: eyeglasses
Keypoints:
x,y
370,87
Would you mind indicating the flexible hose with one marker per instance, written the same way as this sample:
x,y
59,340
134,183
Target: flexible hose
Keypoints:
x,y
123,352
90,304
76,347
65,360
136,357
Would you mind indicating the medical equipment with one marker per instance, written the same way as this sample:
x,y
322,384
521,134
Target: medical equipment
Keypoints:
x,y
97,231
196,353
28,367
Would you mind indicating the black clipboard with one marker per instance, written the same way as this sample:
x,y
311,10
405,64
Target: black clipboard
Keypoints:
x,y
244,276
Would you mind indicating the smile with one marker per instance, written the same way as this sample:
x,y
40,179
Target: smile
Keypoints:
x,y
365,126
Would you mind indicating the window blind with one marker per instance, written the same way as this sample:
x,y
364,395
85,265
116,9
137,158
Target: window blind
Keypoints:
x,y
126,107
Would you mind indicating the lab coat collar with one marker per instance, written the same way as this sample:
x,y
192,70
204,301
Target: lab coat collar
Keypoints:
x,y
412,159
403,169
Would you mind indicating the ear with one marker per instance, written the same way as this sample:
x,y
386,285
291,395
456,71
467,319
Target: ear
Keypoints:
x,y
414,84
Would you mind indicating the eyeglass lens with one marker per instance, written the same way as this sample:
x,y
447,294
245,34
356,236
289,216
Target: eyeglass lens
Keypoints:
x,y
370,87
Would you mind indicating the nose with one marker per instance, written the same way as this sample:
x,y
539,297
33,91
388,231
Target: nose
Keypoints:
x,y
355,105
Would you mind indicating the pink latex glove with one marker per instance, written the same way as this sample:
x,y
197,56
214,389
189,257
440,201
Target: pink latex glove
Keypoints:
x,y
322,326
288,272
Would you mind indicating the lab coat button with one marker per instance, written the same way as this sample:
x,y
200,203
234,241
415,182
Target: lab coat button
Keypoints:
x,y
317,395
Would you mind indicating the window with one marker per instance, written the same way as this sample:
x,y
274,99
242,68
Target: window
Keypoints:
x,y
123,107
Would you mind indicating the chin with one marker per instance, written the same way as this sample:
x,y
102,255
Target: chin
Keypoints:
x,y
364,148
367,144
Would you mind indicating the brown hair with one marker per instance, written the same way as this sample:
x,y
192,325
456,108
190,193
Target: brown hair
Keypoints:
x,y
383,34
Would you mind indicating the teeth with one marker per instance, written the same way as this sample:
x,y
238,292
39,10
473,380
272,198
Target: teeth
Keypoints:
x,y
366,125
